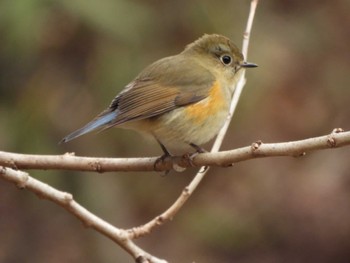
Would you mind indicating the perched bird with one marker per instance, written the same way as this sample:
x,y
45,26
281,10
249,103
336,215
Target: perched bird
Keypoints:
x,y
181,100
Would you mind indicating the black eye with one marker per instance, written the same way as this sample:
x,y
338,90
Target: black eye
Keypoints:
x,y
226,59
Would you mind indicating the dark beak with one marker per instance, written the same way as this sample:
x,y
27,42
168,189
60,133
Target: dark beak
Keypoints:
x,y
248,65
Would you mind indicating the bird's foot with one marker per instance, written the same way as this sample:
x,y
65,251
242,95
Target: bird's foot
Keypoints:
x,y
190,156
160,161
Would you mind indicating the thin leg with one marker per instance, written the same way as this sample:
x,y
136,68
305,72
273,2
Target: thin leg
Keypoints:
x,y
165,150
163,157
198,148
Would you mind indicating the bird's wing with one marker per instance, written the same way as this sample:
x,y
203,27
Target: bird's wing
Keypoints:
x,y
162,87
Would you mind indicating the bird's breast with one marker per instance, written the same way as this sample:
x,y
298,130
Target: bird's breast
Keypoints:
x,y
202,111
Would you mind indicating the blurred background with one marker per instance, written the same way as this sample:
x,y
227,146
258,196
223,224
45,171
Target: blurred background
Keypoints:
x,y
62,62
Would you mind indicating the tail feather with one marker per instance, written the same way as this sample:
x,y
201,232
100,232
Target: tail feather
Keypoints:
x,y
98,123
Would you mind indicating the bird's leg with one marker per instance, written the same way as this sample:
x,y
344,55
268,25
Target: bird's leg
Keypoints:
x,y
163,157
198,148
165,150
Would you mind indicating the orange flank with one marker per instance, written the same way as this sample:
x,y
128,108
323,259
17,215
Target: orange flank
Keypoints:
x,y
200,111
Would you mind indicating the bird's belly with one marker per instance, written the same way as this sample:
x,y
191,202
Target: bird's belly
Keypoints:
x,y
180,128
197,123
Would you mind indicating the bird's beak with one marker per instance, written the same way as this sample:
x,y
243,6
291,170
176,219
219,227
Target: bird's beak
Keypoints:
x,y
248,65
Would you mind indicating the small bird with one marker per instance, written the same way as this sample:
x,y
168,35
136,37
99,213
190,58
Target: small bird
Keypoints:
x,y
181,100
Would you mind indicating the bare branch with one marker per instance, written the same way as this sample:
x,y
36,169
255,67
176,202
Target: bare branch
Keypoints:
x,y
246,35
337,138
258,149
65,200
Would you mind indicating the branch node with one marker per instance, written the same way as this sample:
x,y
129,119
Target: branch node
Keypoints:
x,y
246,35
22,183
67,197
160,220
186,191
69,154
338,130
256,145
141,259
12,164
96,165
331,141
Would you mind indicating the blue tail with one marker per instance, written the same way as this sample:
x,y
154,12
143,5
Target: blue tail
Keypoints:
x,y
98,123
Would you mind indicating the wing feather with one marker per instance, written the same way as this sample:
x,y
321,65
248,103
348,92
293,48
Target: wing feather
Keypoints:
x,y
163,86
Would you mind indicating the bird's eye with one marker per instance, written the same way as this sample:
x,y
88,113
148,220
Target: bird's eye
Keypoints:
x,y
226,59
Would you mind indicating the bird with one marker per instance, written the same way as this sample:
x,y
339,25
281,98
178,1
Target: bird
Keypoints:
x,y
181,100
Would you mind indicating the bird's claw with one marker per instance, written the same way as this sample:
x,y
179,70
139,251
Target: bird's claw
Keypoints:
x,y
159,161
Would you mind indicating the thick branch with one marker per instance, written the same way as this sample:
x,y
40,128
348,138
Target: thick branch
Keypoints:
x,y
258,149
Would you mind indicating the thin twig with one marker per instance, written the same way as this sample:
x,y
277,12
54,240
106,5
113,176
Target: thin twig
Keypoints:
x,y
246,35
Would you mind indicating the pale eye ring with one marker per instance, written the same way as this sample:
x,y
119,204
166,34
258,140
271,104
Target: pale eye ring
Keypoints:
x,y
226,59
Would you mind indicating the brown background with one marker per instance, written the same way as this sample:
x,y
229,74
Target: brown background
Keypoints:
x,y
62,62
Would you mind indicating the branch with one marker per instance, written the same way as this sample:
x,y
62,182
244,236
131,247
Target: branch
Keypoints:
x,y
337,138
65,200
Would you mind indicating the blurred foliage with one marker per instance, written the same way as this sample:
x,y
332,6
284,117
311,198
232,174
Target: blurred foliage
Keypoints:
x,y
62,62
